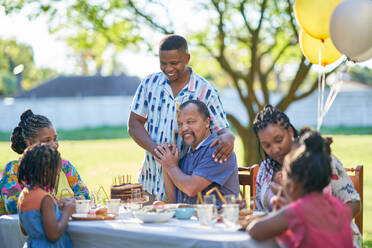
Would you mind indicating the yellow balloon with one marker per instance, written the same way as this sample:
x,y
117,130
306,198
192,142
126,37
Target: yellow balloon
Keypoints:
x,y
310,48
314,16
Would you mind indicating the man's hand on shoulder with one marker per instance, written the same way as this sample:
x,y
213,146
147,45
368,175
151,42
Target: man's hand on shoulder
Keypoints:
x,y
225,141
167,155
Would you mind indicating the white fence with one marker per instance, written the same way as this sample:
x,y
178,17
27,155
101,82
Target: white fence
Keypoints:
x,y
68,113
351,108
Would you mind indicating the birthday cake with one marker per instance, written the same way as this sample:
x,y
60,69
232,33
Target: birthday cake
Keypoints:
x,y
127,192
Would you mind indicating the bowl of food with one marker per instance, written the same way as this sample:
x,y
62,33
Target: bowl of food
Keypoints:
x,y
184,213
154,215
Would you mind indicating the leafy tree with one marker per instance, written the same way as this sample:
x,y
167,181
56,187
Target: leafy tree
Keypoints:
x,y
13,54
252,41
249,43
90,28
9,84
361,74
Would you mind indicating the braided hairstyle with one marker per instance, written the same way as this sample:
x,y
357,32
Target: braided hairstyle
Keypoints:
x,y
39,167
271,115
27,129
310,163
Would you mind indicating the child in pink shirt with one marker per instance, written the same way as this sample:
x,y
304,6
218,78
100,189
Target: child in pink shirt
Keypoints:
x,y
311,219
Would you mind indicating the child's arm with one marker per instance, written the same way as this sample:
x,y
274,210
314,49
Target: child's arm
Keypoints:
x,y
55,228
269,226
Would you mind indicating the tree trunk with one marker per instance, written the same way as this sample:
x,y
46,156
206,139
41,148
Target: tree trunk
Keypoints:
x,y
251,155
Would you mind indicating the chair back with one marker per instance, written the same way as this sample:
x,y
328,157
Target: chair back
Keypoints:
x,y
356,176
247,177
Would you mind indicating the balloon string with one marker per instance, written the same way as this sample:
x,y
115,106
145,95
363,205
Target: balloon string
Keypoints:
x,y
336,87
322,107
323,88
319,91
334,90
318,114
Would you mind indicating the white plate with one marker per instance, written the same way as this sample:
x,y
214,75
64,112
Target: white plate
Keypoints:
x,y
154,217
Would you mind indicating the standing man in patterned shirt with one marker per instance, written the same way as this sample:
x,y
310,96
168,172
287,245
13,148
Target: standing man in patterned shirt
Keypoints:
x,y
153,118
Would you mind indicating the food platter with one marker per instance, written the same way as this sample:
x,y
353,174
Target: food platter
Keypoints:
x,y
92,217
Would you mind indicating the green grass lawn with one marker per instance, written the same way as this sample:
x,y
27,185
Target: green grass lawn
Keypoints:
x,y
99,161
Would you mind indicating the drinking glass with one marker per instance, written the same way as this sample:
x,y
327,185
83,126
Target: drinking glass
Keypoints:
x,y
205,213
230,214
113,206
211,199
82,206
93,200
135,200
230,199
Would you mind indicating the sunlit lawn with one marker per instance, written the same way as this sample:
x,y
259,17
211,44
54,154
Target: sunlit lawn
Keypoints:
x,y
99,161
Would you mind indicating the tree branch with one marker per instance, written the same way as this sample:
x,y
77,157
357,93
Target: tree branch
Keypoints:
x,y
289,11
315,85
307,93
149,20
301,74
262,14
242,11
281,52
235,75
236,123
263,81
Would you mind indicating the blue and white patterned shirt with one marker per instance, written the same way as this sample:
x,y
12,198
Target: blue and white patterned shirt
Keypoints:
x,y
154,101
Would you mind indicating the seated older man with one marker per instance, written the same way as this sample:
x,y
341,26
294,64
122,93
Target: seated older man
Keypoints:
x,y
196,171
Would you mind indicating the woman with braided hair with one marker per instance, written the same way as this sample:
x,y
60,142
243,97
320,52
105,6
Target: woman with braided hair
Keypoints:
x,y
33,129
276,136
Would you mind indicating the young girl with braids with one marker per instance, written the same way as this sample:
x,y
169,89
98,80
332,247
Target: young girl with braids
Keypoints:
x,y
312,219
276,135
33,129
39,215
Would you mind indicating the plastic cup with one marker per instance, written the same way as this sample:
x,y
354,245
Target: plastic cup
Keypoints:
x,y
113,206
82,206
230,199
205,213
230,214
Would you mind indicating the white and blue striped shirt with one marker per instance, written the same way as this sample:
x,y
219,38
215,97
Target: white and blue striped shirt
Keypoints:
x,y
154,101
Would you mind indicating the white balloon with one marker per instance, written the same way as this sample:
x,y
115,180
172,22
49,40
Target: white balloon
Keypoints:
x,y
351,29
363,57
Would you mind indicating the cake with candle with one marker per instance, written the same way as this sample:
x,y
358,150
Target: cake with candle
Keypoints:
x,y
127,191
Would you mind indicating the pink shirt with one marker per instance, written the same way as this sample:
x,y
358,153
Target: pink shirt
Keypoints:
x,y
317,220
